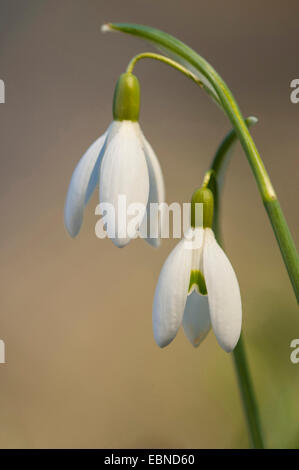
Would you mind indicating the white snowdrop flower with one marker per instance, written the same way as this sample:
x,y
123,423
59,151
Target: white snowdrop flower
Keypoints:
x,y
198,287
123,163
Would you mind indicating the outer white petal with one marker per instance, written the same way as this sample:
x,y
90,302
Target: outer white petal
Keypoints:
x,y
171,294
156,195
196,319
82,185
124,172
223,293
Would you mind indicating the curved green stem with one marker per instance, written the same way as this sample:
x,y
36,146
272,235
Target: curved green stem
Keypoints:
x,y
171,63
218,88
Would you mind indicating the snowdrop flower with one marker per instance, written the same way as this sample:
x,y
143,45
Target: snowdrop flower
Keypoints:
x,y
124,164
198,287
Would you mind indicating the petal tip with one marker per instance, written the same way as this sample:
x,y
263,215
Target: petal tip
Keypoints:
x,y
228,345
72,234
72,229
154,242
162,342
120,242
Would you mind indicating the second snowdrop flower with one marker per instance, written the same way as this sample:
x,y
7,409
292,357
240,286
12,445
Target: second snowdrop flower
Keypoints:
x,y
124,164
198,287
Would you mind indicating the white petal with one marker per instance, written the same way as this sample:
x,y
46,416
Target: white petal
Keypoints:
x,y
156,195
196,319
223,293
171,294
124,172
82,185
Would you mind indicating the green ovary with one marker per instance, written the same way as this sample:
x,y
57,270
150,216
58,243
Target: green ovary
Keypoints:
x,y
126,101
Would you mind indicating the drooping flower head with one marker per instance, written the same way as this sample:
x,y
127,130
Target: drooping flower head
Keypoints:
x,y
124,164
197,286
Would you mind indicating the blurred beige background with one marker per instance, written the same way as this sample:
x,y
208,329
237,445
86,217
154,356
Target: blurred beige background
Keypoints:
x,y
82,367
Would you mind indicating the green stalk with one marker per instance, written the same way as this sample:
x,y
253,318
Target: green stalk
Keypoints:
x,y
248,396
218,89
175,65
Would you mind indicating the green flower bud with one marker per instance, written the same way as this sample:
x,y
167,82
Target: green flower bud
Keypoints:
x,y
126,101
202,196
